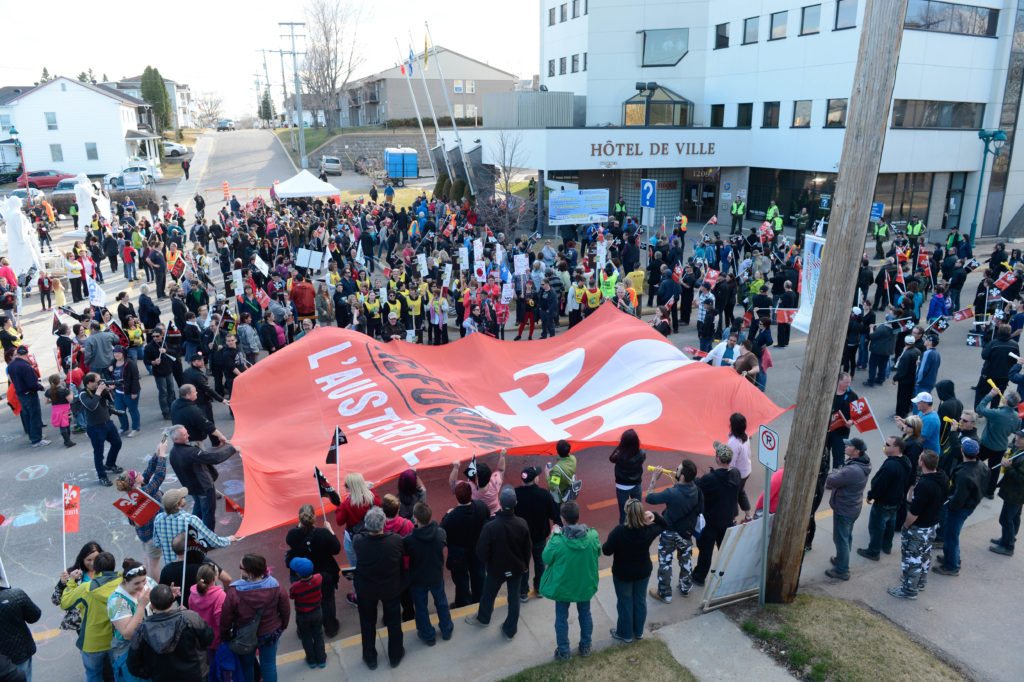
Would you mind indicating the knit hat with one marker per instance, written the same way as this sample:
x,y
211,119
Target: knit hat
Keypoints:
x,y
969,446
723,452
302,566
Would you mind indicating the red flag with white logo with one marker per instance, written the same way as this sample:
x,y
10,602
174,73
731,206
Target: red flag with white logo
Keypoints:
x,y
711,278
139,507
695,352
1006,280
963,314
837,422
72,500
862,416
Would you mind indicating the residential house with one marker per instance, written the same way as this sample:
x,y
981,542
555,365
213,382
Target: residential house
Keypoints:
x,y
179,95
310,117
76,127
384,96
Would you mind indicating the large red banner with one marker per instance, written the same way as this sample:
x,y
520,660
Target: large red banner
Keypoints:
x,y
404,405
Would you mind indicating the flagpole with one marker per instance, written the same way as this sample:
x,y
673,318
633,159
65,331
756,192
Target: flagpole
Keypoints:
x,y
877,423
433,114
337,461
416,107
448,103
184,561
64,525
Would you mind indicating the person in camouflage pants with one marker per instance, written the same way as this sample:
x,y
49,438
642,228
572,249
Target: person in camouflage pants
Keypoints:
x,y
684,503
919,528
671,543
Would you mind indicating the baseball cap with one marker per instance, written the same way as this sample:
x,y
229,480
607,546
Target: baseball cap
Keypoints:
x,y
909,339
118,349
857,311
172,497
923,397
507,497
302,566
530,473
199,355
857,443
22,350
969,446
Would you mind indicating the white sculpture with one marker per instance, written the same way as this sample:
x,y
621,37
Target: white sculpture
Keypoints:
x,y
21,246
85,193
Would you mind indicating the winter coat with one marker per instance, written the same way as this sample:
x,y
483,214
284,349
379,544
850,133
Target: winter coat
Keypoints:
x,y
379,568
847,485
17,610
96,632
245,597
504,545
721,489
1000,423
1011,486
570,564
683,504
170,647
890,483
425,549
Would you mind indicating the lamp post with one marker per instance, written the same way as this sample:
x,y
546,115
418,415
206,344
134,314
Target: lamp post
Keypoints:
x,y
994,140
13,132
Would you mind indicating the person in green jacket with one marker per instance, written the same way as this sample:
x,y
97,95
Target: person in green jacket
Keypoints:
x,y
95,635
1011,490
570,575
607,279
880,231
562,481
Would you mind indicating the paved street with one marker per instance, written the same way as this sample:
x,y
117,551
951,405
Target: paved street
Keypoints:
x,y
961,616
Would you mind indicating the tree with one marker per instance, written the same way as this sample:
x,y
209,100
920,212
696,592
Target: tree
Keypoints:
x,y
498,207
267,112
208,108
46,75
154,92
105,79
331,54
85,76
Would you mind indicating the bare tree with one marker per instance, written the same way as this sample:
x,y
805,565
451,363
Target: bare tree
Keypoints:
x,y
331,54
497,205
208,109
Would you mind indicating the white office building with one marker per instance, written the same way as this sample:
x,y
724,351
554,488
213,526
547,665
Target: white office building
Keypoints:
x,y
720,98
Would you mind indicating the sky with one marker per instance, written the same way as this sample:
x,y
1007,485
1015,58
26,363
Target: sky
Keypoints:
x,y
214,45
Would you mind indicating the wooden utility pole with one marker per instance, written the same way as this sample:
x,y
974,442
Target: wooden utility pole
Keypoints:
x,y
867,118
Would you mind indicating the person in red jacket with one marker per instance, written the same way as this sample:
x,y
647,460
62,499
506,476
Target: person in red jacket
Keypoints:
x,y
349,515
303,295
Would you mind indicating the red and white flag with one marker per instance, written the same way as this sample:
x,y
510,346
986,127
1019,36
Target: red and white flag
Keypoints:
x,y
785,315
72,498
899,276
862,416
1005,281
139,507
711,278
694,352
964,314
714,220
837,422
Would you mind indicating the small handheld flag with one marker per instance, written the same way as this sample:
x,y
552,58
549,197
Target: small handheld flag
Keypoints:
x,y
338,440
326,490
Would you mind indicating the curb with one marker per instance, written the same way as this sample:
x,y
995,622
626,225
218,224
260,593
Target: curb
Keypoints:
x,y
285,150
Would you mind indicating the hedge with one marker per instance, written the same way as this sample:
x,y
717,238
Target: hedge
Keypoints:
x,y
458,190
62,202
441,180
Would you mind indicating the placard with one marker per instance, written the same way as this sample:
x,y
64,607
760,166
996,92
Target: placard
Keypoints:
x,y
308,259
464,257
421,260
447,276
261,265
521,264
237,282
508,292
478,249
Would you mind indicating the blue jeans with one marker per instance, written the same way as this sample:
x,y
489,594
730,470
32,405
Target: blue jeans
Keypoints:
x,y
878,368
621,496
205,507
121,672
424,628
126,403
31,416
268,660
951,526
94,665
165,391
562,625
842,535
26,669
862,353
98,436
631,605
881,528
130,272
762,379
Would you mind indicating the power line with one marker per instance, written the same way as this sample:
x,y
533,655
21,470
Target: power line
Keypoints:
x,y
303,159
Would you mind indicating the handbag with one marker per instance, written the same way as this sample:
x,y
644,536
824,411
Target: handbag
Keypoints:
x,y
243,642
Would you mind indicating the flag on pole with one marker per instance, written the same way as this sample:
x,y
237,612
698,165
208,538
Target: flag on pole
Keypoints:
x,y
97,296
326,490
711,278
338,440
963,314
412,60
426,53
72,494
1006,280
139,507
695,352
785,315
714,220
838,421
471,469
899,276
862,416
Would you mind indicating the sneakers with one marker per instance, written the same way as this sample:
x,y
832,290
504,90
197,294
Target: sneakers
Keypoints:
x,y
942,570
131,434
584,651
559,656
654,595
685,592
41,443
471,619
69,444
524,598
105,482
836,575
866,554
114,469
616,636
900,593
999,549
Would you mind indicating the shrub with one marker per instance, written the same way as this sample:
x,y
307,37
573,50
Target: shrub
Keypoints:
x,y
458,190
62,202
440,185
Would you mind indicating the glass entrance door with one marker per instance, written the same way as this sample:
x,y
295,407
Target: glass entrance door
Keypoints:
x,y
700,200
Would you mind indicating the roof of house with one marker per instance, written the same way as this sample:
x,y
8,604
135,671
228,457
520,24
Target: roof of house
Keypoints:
x,y
140,135
9,94
138,79
395,71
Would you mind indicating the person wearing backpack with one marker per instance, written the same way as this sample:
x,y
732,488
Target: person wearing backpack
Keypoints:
x,y
255,613
562,481
684,503
319,545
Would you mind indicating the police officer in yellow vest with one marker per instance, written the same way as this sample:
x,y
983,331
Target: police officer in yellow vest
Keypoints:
x,y
880,231
915,228
620,211
738,211
774,218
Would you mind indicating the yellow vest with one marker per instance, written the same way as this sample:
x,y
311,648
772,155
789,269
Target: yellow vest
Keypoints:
x,y
373,309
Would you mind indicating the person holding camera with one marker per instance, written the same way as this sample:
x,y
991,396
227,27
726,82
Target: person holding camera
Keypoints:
x,y
97,403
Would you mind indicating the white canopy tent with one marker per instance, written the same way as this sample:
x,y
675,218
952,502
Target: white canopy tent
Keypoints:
x,y
305,184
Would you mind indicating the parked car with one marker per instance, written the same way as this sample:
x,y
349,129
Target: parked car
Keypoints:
x,y
149,176
225,124
42,179
130,180
173,148
330,165
64,187
23,194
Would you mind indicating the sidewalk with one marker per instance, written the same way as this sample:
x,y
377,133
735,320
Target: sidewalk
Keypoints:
x,y
183,192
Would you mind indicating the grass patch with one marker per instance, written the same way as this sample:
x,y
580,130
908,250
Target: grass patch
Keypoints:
x,y
314,138
648,660
827,640
404,196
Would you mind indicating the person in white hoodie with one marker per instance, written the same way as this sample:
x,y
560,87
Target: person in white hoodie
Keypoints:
x,y
724,353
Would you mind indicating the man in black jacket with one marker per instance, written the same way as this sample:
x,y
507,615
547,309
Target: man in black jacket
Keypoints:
x,y
17,611
721,489
186,412
547,304
463,524
156,357
195,470
504,548
905,375
669,293
997,363
969,481
425,549
196,375
378,579
888,489
535,506
918,529
171,644
97,406
684,502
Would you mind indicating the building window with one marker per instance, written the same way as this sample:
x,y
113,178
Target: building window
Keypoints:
x,y
948,17
51,120
5,123
563,12
846,14
750,30
744,115
575,63
836,116
584,61
91,153
470,87
810,20
717,115
56,153
575,8
458,110
665,46
905,195
657,107
561,66
916,113
551,67
458,86
551,17
778,26
802,113
721,36
471,111
770,115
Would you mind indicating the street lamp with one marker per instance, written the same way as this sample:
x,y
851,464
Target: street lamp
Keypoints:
x,y
13,132
994,141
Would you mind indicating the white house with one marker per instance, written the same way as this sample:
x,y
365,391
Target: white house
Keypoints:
x,y
179,95
719,98
76,127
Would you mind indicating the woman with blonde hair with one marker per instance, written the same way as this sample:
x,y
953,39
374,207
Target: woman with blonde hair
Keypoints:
x,y
320,546
629,545
350,515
